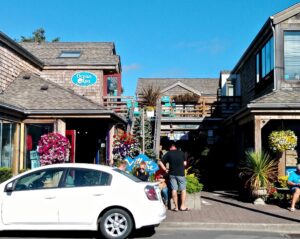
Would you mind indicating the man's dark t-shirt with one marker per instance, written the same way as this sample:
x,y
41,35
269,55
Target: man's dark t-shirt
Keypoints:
x,y
176,159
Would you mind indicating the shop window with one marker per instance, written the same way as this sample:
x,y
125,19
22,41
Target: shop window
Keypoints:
x,y
112,86
292,55
265,61
33,135
9,140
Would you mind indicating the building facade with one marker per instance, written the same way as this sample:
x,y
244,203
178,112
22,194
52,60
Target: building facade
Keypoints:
x,y
57,87
268,80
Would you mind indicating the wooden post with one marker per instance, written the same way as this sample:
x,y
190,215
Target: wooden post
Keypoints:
x,y
257,135
110,143
61,127
16,150
22,146
143,131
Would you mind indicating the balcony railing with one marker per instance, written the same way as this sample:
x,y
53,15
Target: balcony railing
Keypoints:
x,y
119,104
207,107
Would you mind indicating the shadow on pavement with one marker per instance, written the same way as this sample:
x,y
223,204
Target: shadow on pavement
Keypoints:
x,y
49,234
252,209
141,233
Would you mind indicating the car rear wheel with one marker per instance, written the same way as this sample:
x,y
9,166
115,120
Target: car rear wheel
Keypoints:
x,y
116,224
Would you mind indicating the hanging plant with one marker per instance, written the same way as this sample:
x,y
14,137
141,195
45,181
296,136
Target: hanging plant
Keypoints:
x,y
282,140
124,145
53,148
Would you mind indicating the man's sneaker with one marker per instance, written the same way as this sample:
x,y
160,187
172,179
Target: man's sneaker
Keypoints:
x,y
292,209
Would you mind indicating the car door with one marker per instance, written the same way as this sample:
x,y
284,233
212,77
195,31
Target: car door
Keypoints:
x,y
33,198
85,191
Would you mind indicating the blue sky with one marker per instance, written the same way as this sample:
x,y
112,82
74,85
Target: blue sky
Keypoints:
x,y
155,38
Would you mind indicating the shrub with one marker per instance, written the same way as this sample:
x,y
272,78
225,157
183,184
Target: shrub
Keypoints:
x,y
193,185
5,173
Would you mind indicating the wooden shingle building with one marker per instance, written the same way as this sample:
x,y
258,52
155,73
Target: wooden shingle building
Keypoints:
x,y
57,87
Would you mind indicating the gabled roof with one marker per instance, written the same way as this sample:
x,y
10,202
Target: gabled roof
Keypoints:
x,y
205,86
178,83
286,14
37,95
92,53
10,43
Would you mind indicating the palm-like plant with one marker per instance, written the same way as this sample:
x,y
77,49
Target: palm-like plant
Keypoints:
x,y
259,169
150,95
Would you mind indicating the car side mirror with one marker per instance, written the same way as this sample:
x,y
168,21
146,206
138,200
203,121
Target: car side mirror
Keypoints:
x,y
9,187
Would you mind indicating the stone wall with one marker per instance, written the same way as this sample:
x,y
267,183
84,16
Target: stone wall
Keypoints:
x,y
63,78
11,65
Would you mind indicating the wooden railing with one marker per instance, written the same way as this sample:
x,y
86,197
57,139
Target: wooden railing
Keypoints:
x,y
119,104
207,107
226,106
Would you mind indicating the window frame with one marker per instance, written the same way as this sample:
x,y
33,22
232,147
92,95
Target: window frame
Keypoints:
x,y
78,54
262,77
37,172
283,54
67,171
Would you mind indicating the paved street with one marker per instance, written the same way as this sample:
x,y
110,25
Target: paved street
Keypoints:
x,y
221,216
158,234
223,211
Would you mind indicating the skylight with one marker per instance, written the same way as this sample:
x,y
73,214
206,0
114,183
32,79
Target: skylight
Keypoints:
x,y
70,54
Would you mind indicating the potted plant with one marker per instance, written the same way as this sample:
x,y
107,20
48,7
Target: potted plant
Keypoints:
x,y
259,170
150,95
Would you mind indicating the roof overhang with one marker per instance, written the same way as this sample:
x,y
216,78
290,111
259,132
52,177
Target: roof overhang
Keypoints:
x,y
20,50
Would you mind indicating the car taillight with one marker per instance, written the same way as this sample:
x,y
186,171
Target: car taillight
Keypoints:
x,y
151,193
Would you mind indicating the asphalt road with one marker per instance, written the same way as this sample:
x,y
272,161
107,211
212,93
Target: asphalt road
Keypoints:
x,y
153,234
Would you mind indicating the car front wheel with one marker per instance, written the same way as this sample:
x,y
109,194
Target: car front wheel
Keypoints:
x,y
116,224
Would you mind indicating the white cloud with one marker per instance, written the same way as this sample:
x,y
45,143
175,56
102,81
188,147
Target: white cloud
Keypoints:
x,y
131,67
213,46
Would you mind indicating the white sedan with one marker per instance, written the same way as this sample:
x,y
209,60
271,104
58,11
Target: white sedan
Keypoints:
x,y
80,197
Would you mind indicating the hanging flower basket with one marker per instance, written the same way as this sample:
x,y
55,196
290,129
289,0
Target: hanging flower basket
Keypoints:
x,y
124,145
282,140
53,148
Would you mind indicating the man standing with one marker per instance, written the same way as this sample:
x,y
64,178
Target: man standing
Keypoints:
x,y
294,183
177,162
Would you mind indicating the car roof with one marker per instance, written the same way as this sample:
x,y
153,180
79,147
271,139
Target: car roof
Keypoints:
x,y
75,165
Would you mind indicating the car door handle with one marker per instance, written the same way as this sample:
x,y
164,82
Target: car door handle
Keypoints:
x,y
50,197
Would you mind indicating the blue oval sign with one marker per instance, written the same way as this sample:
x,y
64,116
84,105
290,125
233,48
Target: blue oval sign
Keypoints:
x,y
84,78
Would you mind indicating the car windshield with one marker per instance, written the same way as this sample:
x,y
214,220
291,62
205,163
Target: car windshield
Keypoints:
x,y
128,175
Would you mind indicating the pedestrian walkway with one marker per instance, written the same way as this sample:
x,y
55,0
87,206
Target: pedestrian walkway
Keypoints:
x,y
223,210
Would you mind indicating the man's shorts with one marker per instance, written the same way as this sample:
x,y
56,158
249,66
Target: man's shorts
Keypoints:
x,y
178,182
293,189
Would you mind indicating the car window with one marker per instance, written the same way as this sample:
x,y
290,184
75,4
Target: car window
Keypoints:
x,y
128,175
80,177
48,178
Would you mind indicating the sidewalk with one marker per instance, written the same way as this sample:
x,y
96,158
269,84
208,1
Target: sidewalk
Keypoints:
x,y
222,211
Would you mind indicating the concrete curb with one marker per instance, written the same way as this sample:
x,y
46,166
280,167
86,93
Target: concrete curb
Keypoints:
x,y
278,228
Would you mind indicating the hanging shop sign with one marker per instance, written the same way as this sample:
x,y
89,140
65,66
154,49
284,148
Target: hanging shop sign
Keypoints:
x,y
84,79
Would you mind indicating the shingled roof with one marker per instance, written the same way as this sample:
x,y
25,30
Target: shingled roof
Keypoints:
x,y
31,93
207,86
285,98
92,53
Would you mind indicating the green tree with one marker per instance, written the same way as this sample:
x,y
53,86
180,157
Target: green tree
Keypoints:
x,y
38,36
148,140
